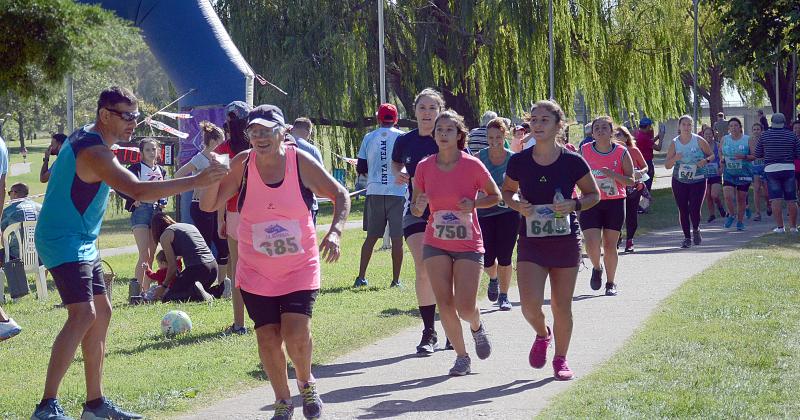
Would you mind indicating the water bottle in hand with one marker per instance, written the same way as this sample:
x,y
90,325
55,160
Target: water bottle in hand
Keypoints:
x,y
560,220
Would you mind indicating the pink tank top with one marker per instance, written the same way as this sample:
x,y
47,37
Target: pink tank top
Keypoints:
x,y
278,251
610,189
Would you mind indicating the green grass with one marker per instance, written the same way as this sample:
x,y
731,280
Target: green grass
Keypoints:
x,y
725,345
147,372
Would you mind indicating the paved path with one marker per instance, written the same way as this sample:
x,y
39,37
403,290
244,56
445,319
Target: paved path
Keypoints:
x,y
385,380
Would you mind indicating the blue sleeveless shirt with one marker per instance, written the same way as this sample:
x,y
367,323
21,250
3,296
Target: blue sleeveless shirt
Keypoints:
x,y
73,210
685,169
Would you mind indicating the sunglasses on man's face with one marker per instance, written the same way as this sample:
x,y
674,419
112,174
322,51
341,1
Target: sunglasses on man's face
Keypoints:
x,y
126,116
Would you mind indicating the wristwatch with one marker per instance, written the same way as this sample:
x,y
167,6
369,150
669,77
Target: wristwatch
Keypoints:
x,y
45,159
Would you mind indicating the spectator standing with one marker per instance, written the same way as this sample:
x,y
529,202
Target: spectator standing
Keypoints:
x,y
720,127
779,147
587,135
385,198
477,136
56,141
301,132
762,119
648,142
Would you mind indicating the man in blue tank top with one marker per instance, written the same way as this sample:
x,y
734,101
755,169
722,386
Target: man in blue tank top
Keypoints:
x,y
66,232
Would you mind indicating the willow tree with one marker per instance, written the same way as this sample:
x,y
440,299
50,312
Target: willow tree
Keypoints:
x,y
482,54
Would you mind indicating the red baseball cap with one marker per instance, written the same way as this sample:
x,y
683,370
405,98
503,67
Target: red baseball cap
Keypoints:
x,y
387,113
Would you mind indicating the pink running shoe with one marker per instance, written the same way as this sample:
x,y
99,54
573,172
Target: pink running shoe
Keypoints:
x,y
538,355
561,371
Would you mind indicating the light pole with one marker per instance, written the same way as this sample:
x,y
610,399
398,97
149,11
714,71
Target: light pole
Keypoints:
x,y
381,58
696,60
552,53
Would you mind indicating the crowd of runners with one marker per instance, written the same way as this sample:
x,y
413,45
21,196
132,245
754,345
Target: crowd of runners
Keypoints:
x,y
460,214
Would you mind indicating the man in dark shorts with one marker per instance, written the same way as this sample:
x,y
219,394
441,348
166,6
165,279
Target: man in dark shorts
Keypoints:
x,y
385,198
68,225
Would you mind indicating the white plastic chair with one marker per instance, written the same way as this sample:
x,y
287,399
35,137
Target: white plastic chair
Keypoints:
x,y
24,233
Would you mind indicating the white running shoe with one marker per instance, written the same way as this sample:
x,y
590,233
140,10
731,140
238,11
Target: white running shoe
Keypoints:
x,y
779,230
793,230
9,329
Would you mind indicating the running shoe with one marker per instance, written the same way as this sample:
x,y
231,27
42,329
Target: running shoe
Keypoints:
x,y
629,246
312,403
538,354
236,329
740,226
561,371
687,243
748,213
597,278
107,410
611,289
729,222
493,290
461,367
503,302
50,410
779,229
793,230
447,345
711,218
227,290
696,237
483,347
395,283
360,282
722,212
427,345
9,329
284,410
757,217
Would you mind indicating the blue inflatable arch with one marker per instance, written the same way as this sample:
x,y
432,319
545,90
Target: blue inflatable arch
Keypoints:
x,y
193,47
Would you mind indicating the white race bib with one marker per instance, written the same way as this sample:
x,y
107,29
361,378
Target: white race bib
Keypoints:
x,y
733,164
607,185
452,225
688,172
278,238
542,222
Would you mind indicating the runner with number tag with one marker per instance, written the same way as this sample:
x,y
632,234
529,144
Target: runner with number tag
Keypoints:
x,y
612,167
278,270
499,224
534,180
737,174
760,194
448,182
688,153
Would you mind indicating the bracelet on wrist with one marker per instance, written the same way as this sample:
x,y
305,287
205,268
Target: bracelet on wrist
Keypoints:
x,y
577,204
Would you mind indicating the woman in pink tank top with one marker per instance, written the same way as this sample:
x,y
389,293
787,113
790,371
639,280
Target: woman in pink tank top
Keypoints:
x,y
449,182
278,270
612,167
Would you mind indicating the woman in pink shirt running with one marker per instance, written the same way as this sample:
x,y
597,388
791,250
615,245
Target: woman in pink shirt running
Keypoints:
x,y
448,182
278,270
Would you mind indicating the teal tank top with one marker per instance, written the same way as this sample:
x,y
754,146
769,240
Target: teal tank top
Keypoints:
x,y
73,210
736,171
685,169
498,175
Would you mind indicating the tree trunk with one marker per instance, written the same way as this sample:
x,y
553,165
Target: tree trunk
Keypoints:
x,y
787,77
20,122
715,91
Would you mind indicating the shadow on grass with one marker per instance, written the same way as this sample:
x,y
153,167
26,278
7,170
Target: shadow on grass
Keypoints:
x,y
159,342
395,311
436,403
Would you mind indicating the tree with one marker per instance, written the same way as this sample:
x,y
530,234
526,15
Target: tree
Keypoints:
x,y
482,54
757,34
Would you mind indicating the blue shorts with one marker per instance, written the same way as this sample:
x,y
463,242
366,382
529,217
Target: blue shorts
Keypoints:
x,y
79,281
781,185
141,216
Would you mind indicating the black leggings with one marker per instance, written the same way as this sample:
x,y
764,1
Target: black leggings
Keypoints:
x,y
689,198
632,212
206,223
499,237
651,172
182,288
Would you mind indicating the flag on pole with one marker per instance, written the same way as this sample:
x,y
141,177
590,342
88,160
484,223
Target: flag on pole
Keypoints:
x,y
158,125
174,116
